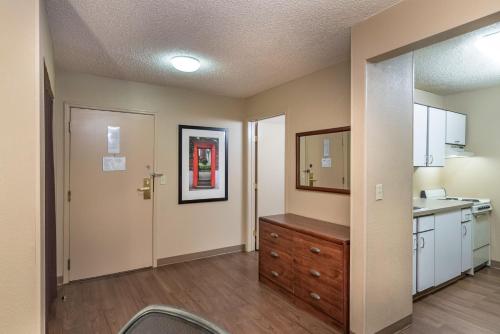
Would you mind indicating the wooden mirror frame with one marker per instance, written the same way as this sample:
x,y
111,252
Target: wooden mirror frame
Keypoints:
x,y
297,160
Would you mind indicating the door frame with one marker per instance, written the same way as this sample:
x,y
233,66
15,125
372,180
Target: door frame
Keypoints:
x,y
66,182
251,146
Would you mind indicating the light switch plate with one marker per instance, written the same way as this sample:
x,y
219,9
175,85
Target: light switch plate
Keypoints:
x,y
379,192
163,179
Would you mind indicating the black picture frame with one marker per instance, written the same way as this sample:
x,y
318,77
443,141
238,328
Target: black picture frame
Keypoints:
x,y
181,164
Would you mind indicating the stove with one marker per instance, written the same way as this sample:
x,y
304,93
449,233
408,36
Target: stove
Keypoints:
x,y
481,224
479,205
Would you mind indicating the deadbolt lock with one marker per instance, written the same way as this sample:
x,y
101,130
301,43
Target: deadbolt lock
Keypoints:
x,y
146,188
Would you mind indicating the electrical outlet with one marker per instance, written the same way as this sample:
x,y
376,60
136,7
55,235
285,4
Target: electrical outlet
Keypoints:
x,y
163,179
379,192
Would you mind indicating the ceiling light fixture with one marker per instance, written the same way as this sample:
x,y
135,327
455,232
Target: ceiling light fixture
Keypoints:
x,y
490,44
185,63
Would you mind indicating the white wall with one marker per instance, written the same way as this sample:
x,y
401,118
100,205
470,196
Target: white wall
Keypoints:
x,y
181,229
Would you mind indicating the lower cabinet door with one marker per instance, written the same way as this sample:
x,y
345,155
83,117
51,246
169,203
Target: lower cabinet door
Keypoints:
x,y
414,288
448,236
425,260
466,246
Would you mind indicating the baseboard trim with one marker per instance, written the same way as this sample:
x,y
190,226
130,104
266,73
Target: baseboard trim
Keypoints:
x,y
200,255
397,326
495,264
60,280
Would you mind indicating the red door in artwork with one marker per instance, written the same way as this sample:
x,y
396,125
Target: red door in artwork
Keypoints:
x,y
199,147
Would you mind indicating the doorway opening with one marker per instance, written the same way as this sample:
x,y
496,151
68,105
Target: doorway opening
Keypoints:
x,y
267,171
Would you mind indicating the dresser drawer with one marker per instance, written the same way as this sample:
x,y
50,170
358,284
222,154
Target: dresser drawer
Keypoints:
x,y
277,236
312,275
320,253
277,271
273,253
315,298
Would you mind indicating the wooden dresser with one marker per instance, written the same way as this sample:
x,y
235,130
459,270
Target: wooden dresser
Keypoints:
x,y
307,259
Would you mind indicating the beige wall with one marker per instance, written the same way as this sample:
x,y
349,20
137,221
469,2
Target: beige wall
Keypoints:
x,y
181,229
316,101
408,25
478,176
21,242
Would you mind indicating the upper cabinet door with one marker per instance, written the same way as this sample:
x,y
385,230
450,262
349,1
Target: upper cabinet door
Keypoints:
x,y
436,137
455,128
419,135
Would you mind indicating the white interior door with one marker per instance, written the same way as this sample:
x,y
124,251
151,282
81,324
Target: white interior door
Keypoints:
x,y
270,167
111,220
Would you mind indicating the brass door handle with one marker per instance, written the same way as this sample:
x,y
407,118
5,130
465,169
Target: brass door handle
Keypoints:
x,y
146,188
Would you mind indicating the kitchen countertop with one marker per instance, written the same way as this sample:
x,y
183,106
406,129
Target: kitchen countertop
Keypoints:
x,y
433,206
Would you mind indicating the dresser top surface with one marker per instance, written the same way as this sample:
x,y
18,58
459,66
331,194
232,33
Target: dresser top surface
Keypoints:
x,y
315,227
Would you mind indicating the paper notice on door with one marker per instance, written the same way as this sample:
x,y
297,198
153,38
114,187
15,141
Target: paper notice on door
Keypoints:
x,y
326,147
326,162
113,139
112,164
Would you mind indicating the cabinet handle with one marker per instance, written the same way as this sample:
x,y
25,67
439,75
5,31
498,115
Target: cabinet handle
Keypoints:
x,y
315,250
432,159
464,227
423,242
315,296
274,235
274,273
274,254
315,273
415,244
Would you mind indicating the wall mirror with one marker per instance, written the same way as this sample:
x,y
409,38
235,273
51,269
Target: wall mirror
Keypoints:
x,y
324,160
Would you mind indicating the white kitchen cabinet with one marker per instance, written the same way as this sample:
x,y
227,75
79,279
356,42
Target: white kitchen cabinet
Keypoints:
x,y
419,135
425,260
448,246
429,135
456,124
466,246
436,137
414,288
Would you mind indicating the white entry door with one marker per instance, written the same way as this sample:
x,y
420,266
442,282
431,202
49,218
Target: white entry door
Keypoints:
x,y
111,214
270,167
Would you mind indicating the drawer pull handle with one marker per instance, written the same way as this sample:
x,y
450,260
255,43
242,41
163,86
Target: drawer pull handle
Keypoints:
x,y
315,273
315,296
274,254
274,273
274,235
315,250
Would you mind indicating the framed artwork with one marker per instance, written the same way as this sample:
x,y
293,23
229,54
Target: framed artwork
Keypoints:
x,y
202,164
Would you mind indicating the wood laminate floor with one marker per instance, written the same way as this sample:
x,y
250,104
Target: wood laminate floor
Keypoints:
x,y
469,306
225,290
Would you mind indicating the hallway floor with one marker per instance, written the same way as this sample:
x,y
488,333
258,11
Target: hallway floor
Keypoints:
x,y
225,290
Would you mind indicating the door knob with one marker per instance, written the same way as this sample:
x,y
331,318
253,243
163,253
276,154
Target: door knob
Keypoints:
x,y
146,188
